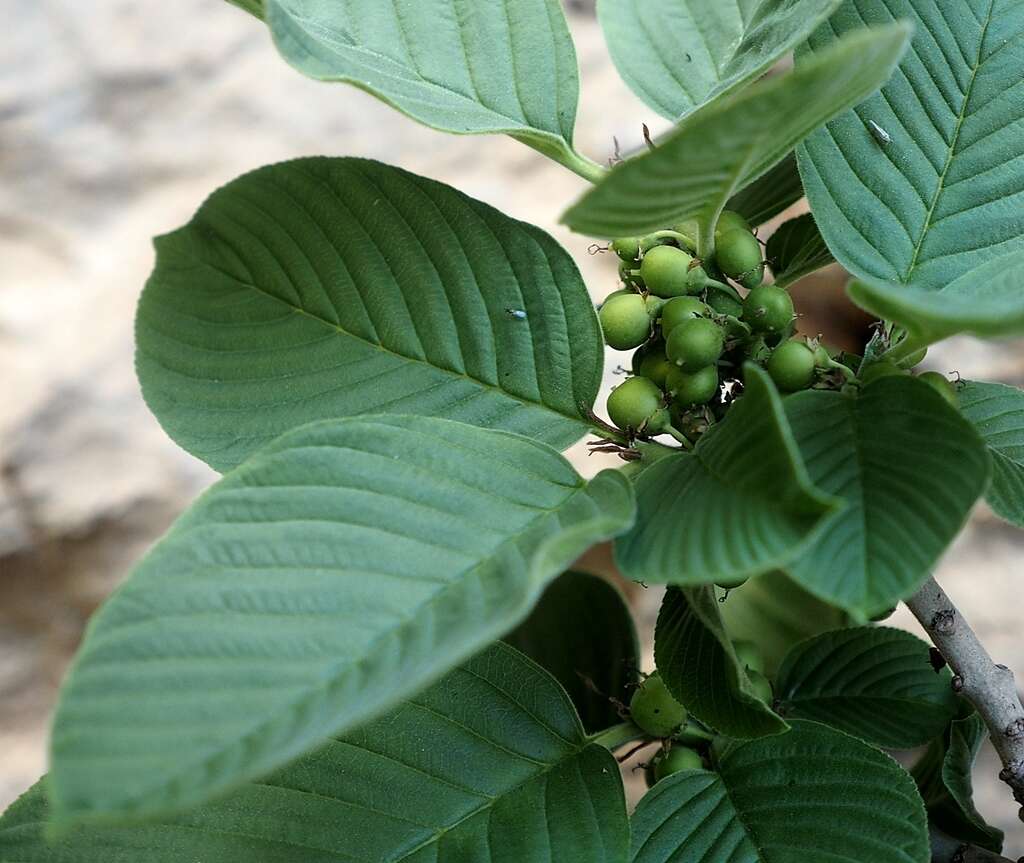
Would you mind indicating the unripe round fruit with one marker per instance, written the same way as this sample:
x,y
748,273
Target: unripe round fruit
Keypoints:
x,y
791,366
730,220
692,388
768,309
739,256
878,370
749,655
680,309
677,759
761,685
625,321
943,386
696,344
733,583
638,404
664,270
627,248
654,710
722,303
654,366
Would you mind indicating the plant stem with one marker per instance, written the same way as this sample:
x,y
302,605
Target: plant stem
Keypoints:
x,y
987,686
617,736
946,849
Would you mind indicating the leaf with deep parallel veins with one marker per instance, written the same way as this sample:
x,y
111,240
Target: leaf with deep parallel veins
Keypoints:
x,y
678,54
812,794
502,66
345,566
924,181
321,288
769,194
698,664
582,632
490,764
743,496
875,683
796,249
909,467
997,412
728,143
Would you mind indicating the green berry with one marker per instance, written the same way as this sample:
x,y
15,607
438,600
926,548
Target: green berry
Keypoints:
x,y
638,405
792,366
761,685
880,369
680,309
677,759
625,321
943,386
664,270
627,248
696,344
732,583
730,220
768,309
722,303
749,655
654,366
739,256
654,710
692,388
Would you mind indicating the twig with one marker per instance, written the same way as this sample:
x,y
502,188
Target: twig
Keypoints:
x,y
988,686
946,849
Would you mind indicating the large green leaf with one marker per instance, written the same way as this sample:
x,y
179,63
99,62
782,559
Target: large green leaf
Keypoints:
x,y
909,468
345,566
813,794
728,143
488,765
944,776
465,67
796,249
699,666
876,683
997,412
740,505
321,288
775,613
941,196
678,54
770,194
582,632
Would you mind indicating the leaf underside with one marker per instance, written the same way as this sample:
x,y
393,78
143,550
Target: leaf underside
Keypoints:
x,y
997,412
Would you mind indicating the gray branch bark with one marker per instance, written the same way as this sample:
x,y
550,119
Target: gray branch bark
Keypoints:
x,y
945,849
988,686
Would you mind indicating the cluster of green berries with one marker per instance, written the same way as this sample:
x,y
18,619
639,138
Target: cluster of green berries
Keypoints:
x,y
687,744
692,330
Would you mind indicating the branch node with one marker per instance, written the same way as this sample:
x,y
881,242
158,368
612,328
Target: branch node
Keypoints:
x,y
1015,730
958,684
944,621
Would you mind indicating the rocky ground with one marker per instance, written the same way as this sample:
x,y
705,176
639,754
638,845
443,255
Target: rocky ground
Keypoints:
x,y
115,125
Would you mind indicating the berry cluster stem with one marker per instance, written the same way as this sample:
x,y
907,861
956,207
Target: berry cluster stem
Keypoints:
x,y
988,686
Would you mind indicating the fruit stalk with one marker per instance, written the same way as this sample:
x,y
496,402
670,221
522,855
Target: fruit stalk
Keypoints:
x,y
988,686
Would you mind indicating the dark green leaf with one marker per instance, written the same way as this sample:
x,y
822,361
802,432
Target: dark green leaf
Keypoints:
x,y
873,682
698,664
730,142
488,765
796,249
932,190
582,632
813,794
740,505
769,194
997,412
678,54
909,468
345,566
321,288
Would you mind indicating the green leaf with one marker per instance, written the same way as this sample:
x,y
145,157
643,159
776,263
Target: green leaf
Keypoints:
x,y
987,301
769,194
679,54
944,776
488,765
507,66
582,632
730,142
935,201
345,566
875,683
909,468
253,7
997,412
321,288
796,249
699,666
775,613
813,794
743,496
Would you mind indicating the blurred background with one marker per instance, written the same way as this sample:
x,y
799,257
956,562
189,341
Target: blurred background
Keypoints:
x,y
115,124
